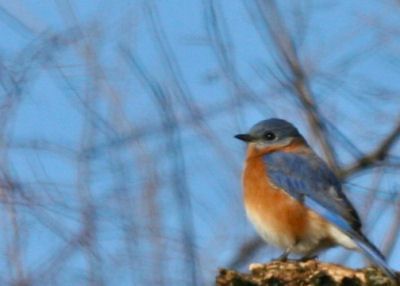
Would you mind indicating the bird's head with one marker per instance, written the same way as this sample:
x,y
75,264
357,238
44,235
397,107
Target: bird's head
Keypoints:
x,y
271,134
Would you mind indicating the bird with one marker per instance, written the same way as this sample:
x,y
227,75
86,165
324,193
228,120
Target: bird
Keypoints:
x,y
294,200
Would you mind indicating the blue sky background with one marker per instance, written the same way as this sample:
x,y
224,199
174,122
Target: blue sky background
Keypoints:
x,y
85,133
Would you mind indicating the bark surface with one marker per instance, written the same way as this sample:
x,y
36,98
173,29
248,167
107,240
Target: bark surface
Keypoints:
x,y
296,273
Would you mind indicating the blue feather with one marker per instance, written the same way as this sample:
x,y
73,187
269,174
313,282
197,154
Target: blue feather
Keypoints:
x,y
327,214
372,253
306,175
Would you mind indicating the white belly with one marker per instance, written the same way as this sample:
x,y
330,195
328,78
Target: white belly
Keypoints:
x,y
313,240
268,233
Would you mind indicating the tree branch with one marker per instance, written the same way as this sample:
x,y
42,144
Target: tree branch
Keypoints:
x,y
308,273
378,155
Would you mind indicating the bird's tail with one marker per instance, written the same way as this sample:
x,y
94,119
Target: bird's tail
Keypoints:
x,y
373,254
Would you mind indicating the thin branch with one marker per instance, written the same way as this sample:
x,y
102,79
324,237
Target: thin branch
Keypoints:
x,y
380,153
247,250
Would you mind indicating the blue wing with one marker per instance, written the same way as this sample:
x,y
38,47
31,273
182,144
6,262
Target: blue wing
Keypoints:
x,y
307,178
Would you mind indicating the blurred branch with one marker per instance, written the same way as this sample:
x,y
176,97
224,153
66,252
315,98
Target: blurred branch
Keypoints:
x,y
246,250
378,155
392,235
174,146
14,245
222,45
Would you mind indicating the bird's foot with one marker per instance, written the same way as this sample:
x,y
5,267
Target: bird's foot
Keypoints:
x,y
308,257
283,257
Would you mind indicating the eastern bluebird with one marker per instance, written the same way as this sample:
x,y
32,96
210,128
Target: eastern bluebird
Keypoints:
x,y
294,200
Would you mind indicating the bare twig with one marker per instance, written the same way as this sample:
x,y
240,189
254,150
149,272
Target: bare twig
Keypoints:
x,y
378,155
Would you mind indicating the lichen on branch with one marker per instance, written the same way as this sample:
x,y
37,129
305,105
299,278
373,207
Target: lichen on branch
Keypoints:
x,y
308,273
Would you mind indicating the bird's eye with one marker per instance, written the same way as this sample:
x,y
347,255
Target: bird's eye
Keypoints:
x,y
269,136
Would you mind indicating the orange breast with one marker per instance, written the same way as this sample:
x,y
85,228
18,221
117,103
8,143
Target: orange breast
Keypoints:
x,y
273,211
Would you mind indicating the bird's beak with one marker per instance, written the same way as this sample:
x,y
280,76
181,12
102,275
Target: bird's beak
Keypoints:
x,y
244,137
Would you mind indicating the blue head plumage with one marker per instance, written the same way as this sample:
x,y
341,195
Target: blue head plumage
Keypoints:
x,y
273,129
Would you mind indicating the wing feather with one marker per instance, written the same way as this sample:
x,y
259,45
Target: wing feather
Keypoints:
x,y
307,178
